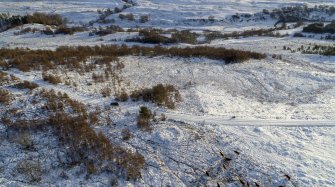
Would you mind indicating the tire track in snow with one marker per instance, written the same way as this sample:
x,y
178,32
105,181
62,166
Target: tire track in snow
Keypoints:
x,y
172,115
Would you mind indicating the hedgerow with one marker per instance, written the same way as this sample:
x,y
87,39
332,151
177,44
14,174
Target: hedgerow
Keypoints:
x,y
74,57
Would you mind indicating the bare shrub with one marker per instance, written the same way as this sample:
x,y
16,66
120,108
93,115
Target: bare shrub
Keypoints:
x,y
8,21
90,167
98,78
106,92
136,95
123,96
143,121
152,36
26,85
85,146
126,134
24,140
47,31
163,117
5,97
144,18
211,18
25,31
4,78
145,113
46,19
165,95
184,37
247,33
143,124
31,169
94,118
69,30
106,31
129,17
53,79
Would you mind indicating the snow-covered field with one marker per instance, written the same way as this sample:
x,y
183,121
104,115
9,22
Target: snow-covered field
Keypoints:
x,y
272,117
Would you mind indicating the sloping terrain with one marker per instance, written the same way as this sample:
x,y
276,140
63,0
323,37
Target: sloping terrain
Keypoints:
x,y
257,122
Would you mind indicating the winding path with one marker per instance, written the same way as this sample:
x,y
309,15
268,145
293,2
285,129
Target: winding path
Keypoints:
x,y
173,115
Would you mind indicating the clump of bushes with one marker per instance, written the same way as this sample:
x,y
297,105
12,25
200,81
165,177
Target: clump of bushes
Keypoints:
x,y
144,118
106,92
213,35
126,134
330,37
103,14
53,79
326,50
69,30
47,31
184,37
7,21
98,78
154,36
151,36
4,78
94,149
211,18
46,19
26,85
129,17
5,97
298,13
74,57
298,34
63,30
122,96
31,169
25,31
106,31
320,28
163,95
23,138
144,19
70,122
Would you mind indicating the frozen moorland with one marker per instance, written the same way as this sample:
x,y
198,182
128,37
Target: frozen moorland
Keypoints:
x,y
265,121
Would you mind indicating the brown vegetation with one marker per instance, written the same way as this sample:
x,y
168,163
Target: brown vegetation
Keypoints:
x,y
123,96
129,17
46,19
144,18
31,169
26,85
154,36
126,134
144,118
165,95
213,35
4,78
5,97
53,79
87,147
106,92
69,30
106,31
73,57
25,31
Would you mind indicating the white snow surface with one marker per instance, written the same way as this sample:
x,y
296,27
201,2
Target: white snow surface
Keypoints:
x,y
279,114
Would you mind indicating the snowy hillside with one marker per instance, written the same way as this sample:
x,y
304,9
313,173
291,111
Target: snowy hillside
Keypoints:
x,y
167,93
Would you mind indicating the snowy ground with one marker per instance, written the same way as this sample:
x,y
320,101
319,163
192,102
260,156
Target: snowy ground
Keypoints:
x,y
278,114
